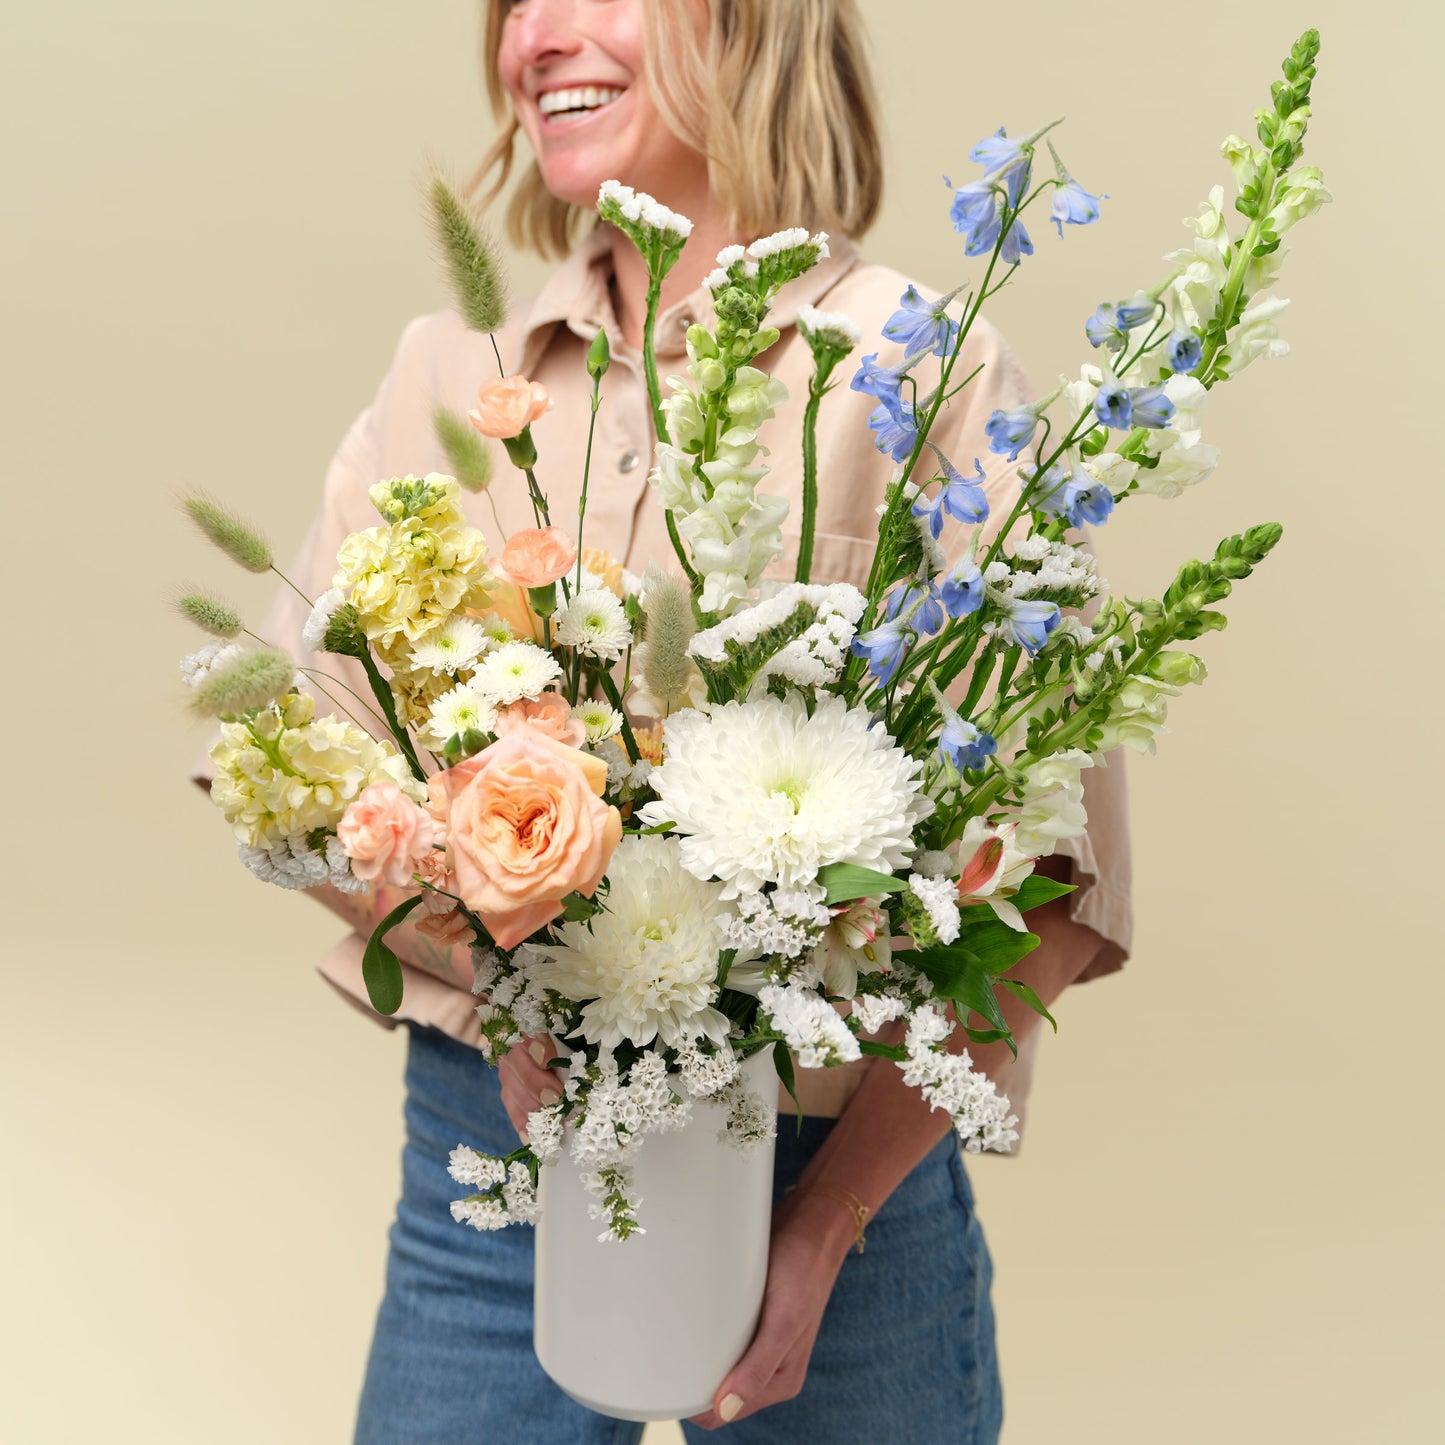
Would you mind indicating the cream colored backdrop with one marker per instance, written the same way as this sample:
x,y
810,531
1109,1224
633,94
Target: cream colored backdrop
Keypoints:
x,y
1225,1224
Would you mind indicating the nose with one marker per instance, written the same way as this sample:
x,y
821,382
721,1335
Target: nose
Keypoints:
x,y
543,31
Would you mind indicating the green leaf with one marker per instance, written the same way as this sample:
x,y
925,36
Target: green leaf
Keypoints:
x,y
991,940
896,1052
380,967
1038,889
961,976
987,1036
1021,990
783,1063
846,881
575,907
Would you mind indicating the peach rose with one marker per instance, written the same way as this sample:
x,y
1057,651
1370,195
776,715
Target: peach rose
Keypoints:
x,y
527,826
549,714
535,557
507,405
385,834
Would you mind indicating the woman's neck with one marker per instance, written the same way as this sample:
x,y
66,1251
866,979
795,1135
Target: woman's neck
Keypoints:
x,y
699,256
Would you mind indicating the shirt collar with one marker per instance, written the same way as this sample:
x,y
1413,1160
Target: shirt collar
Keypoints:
x,y
578,296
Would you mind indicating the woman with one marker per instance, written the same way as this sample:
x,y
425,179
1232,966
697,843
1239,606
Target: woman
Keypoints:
x,y
746,116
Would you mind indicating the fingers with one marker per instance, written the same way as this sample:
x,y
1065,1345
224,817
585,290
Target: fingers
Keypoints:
x,y
526,1084
773,1369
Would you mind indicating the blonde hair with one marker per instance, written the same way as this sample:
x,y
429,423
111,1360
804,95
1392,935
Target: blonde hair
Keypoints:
x,y
776,94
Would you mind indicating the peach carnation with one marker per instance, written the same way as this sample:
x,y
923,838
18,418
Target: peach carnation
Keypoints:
x,y
385,834
549,714
535,557
527,826
507,406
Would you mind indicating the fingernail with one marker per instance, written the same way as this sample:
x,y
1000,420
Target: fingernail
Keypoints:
x,y
548,1097
729,1408
538,1052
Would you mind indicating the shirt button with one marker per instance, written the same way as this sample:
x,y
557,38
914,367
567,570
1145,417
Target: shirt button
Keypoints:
x,y
628,461
683,322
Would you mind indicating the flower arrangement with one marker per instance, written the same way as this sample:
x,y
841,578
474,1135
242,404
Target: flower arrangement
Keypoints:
x,y
824,843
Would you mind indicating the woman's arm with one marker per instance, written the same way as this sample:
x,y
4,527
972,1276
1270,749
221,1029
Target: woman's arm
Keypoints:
x,y
886,1130
363,911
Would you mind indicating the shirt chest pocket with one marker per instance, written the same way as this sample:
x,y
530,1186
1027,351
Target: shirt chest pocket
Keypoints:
x,y
836,558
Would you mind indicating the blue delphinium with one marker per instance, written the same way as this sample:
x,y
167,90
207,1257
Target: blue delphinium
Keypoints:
x,y
1073,205
960,496
974,209
1009,432
1150,407
885,647
897,429
1087,500
963,744
883,382
1114,404
962,590
1185,351
1137,310
919,605
1103,328
922,326
1047,489
1015,245
1029,622
996,151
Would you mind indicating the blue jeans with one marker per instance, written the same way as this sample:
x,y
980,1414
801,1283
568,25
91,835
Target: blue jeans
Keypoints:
x,y
905,1352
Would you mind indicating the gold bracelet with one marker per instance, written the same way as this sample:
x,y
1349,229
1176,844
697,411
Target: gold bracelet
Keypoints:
x,y
847,1199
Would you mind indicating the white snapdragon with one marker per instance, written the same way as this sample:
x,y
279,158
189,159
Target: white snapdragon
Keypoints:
x,y
1052,803
810,1026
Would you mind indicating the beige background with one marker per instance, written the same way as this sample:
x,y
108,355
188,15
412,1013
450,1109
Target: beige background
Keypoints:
x,y
1225,1225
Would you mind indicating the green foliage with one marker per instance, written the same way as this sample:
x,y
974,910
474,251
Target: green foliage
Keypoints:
x,y
961,976
1020,989
380,967
846,881
471,261
468,458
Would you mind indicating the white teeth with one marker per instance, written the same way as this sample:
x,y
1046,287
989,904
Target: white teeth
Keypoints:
x,y
587,97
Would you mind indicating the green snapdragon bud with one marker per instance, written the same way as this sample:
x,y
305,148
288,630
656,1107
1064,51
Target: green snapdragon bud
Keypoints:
x,y
1177,669
700,342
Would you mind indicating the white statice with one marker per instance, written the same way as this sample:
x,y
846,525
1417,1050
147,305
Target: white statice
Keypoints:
x,y
789,240
294,863
1053,571
456,711
545,1130
313,631
949,1082
514,671
750,1120
762,793
612,1203
647,965
706,1071
594,621
624,777
480,1171
642,210
601,720
782,923
833,328
874,1010
939,896
1051,806
453,647
507,1195
211,657
811,1027
813,659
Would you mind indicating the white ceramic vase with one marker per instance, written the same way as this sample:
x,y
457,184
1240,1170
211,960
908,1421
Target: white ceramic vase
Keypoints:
x,y
646,1329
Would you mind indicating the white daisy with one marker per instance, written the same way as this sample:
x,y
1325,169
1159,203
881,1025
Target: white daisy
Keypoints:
x,y
600,720
595,623
514,671
455,712
763,793
450,648
648,964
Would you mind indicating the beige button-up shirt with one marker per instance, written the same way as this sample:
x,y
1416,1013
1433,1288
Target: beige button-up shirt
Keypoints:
x,y
438,361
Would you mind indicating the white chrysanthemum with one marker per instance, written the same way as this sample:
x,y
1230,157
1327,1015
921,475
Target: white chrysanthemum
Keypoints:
x,y
514,671
494,629
600,720
450,648
456,711
595,623
648,963
313,634
765,794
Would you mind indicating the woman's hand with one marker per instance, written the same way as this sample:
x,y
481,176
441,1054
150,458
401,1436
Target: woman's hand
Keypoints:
x,y
527,1085
811,1237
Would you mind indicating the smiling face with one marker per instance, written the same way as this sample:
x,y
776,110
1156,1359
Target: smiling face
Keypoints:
x,y
574,71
